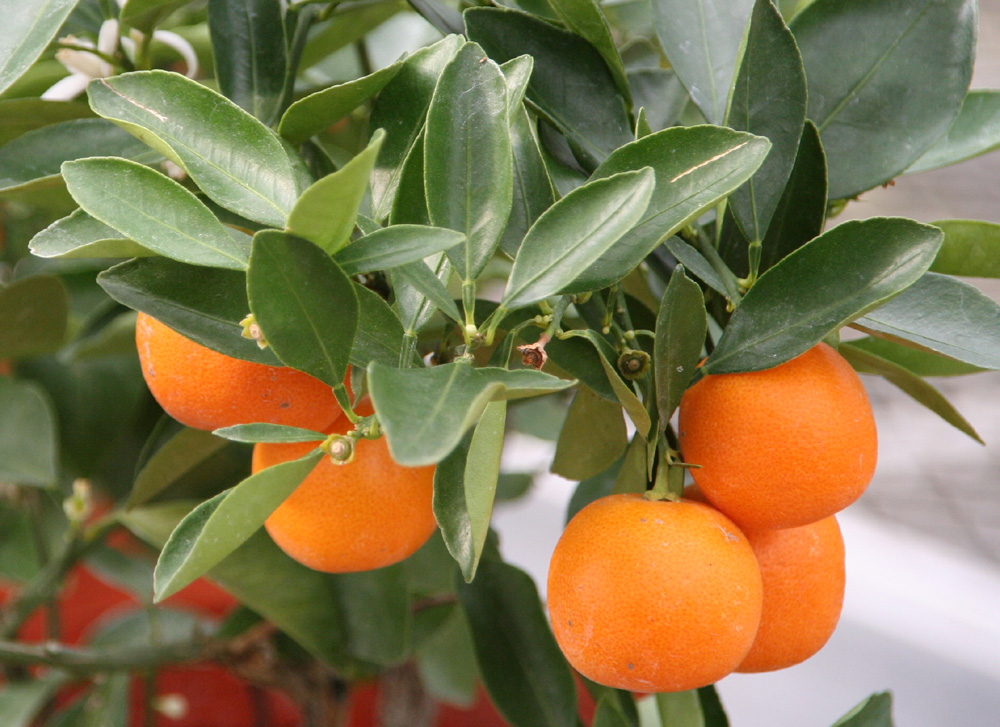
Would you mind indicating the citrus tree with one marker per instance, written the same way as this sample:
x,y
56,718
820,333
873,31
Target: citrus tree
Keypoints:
x,y
302,265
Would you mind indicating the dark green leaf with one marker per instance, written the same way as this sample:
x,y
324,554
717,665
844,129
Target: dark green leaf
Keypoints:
x,y
409,206
768,99
424,289
660,93
219,526
711,707
20,115
862,58
517,73
593,437
144,15
702,42
443,17
630,402
350,23
799,301
573,234
971,247
688,256
175,294
579,358
585,18
594,118
911,384
304,303
393,246
876,711
26,34
264,432
29,448
465,485
181,454
593,488
237,161
33,317
522,668
154,210
376,613
248,45
942,314
975,131
920,362
533,192
607,714
679,337
380,333
81,236
447,664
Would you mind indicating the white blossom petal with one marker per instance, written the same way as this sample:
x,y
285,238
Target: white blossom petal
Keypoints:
x,y
181,46
67,88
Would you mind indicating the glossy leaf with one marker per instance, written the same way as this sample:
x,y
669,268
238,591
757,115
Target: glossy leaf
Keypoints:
x,y
34,312
971,247
679,337
975,131
326,211
581,358
29,448
532,189
942,314
768,99
443,17
317,111
174,294
380,332
660,94
573,234
401,109
586,19
81,236
695,167
523,670
919,361
393,246
680,709
26,33
304,303
711,707
33,160
702,41
409,206
350,23
592,438
248,45
218,526
154,210
688,256
465,485
594,118
422,290
183,452
517,74
876,711
237,161
861,57
144,15
800,300
911,384
265,432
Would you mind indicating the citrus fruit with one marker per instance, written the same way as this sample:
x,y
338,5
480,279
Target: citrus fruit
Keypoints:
x,y
351,517
781,447
653,596
204,389
803,573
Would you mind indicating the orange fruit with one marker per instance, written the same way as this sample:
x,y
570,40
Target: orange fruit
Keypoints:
x,y
204,389
351,517
783,447
653,596
803,573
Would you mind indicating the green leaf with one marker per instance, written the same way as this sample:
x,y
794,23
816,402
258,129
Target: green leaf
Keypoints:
x,y
154,210
629,401
592,438
533,192
349,23
517,74
911,384
235,160
820,287
318,111
181,454
264,432
21,115
248,45
860,57
393,246
109,702
304,303
581,358
975,131
21,701
594,118
326,211
660,94
585,18
711,707
573,234
400,110
380,333
702,43
939,313
423,290
144,15
971,247
467,157
768,99
33,160
876,711
465,484
33,317
523,670
607,714
26,34
218,526
680,709
29,447
679,337
688,256
376,613
695,168
920,362
409,206
81,236
174,294
447,665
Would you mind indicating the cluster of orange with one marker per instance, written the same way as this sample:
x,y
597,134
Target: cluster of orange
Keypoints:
x,y
343,518
746,572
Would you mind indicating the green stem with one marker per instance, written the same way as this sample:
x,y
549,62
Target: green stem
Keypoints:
x,y
557,315
42,587
95,660
408,349
340,391
729,279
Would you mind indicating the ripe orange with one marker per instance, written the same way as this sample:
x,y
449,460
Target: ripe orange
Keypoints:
x,y
653,596
803,573
351,517
782,447
204,389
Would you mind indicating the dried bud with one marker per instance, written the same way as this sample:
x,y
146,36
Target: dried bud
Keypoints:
x,y
633,364
533,354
